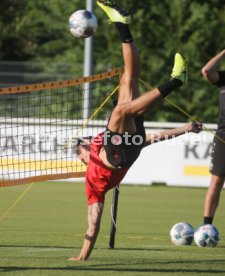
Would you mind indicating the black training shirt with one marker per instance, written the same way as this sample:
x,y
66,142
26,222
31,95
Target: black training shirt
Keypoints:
x,y
221,86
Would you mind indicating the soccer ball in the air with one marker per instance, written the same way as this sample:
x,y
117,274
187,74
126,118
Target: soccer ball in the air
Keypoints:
x,y
182,233
83,23
206,235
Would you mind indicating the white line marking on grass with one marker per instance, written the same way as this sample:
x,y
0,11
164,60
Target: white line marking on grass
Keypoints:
x,y
46,249
136,238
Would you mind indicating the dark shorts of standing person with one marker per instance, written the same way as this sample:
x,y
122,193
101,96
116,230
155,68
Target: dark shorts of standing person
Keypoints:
x,y
122,150
217,166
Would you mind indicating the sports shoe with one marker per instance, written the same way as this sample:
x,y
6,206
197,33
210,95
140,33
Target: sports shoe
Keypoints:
x,y
114,12
180,68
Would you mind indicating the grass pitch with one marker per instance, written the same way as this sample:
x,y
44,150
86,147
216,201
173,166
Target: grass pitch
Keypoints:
x,y
48,224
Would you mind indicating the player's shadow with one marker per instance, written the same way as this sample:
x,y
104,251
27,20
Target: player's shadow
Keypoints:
x,y
110,267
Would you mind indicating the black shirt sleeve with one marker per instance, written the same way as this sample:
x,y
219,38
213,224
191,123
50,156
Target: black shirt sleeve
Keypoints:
x,y
221,80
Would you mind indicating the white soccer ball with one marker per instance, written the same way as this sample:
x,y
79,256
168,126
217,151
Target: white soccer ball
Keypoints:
x,y
206,236
83,23
182,233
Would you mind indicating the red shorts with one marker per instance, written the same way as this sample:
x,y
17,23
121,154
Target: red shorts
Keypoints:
x,y
100,179
94,196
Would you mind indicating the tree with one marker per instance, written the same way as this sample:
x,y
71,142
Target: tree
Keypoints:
x,y
38,31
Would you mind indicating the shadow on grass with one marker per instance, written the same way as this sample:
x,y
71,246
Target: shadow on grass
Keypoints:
x,y
90,269
112,267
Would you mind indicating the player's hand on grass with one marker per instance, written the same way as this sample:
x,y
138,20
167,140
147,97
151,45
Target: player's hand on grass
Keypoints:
x,y
195,127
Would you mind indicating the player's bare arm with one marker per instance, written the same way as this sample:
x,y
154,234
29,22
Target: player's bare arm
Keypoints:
x,y
172,133
209,71
94,218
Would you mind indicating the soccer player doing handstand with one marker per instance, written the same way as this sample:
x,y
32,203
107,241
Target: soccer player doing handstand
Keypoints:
x,y
110,155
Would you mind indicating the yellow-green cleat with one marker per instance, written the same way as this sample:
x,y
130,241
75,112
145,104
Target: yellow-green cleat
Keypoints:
x,y
180,68
114,12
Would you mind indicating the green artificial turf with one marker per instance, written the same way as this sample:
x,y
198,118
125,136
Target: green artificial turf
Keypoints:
x,y
47,225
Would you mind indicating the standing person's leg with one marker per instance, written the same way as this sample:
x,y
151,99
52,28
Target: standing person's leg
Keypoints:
x,y
212,198
217,170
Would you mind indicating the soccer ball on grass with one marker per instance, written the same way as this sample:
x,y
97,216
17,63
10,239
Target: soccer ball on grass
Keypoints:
x,y
182,233
206,236
83,23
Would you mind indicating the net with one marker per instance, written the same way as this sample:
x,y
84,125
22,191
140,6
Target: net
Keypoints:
x,y
40,124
